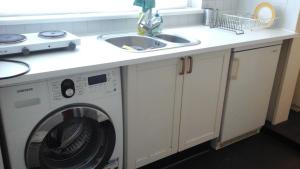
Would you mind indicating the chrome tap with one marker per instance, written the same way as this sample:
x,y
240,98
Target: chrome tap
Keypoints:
x,y
150,23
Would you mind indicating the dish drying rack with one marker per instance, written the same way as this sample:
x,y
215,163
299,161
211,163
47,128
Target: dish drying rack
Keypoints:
x,y
238,21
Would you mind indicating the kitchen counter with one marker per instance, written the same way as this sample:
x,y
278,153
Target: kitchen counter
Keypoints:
x,y
95,54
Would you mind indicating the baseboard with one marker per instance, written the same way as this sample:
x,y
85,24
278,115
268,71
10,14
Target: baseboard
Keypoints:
x,y
218,144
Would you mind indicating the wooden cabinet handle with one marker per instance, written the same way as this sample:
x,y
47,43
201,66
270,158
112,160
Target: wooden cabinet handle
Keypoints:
x,y
191,64
182,66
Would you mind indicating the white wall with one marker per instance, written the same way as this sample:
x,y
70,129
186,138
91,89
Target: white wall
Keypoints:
x,y
249,5
290,69
100,26
223,5
287,10
291,18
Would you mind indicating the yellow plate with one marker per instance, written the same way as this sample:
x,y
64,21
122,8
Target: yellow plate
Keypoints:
x,y
269,21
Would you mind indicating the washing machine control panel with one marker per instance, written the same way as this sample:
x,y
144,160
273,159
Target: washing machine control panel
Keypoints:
x,y
95,84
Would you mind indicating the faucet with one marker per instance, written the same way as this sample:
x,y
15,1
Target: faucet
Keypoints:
x,y
150,23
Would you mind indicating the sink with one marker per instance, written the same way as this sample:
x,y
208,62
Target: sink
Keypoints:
x,y
137,43
172,38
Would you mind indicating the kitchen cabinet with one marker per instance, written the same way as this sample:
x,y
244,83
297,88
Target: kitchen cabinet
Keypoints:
x,y
152,108
249,90
202,99
172,105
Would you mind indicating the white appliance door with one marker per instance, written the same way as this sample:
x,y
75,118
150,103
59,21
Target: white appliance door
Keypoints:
x,y
74,136
251,81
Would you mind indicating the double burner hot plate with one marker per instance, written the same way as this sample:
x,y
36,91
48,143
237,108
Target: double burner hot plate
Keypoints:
x,y
18,38
45,40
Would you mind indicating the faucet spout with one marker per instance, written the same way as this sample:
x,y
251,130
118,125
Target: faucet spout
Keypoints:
x,y
149,22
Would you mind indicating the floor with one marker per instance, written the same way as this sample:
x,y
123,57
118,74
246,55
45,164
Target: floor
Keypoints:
x,y
289,129
262,151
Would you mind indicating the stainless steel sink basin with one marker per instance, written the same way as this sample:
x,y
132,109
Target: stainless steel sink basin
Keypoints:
x,y
137,43
172,38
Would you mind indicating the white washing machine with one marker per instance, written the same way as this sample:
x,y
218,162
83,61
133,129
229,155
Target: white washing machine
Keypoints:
x,y
72,122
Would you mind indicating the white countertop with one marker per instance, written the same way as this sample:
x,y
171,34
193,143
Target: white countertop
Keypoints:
x,y
95,54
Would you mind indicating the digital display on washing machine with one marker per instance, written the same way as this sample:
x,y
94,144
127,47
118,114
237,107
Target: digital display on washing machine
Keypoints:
x,y
97,79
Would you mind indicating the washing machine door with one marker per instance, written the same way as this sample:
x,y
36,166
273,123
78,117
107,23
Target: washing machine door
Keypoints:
x,y
77,136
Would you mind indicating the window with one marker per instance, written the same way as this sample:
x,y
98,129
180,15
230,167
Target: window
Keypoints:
x,y
42,7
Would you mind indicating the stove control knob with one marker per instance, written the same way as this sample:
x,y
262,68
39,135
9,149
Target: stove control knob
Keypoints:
x,y
67,88
25,51
72,46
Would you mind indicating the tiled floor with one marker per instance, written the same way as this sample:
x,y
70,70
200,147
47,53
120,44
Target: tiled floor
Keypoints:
x,y
262,151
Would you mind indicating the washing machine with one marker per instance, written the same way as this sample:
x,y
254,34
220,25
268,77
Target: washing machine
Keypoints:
x,y
72,122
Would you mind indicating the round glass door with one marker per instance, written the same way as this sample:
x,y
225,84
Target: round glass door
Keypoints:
x,y
73,137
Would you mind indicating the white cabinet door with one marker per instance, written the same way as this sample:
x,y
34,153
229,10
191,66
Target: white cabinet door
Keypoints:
x,y
249,91
152,110
202,99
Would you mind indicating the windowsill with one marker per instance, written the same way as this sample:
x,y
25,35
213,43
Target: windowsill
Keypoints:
x,y
17,20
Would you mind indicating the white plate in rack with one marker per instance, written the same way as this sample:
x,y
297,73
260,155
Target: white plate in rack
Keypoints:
x,y
265,14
